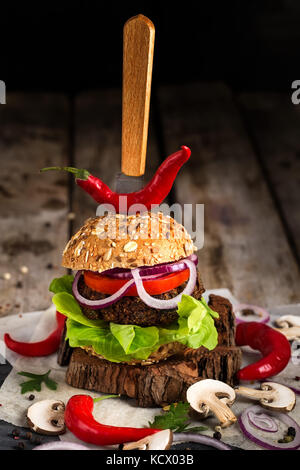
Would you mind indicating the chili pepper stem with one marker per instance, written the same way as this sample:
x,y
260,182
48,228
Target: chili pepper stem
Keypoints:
x,y
80,173
95,400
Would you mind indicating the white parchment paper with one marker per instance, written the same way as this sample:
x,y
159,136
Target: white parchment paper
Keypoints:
x,y
117,411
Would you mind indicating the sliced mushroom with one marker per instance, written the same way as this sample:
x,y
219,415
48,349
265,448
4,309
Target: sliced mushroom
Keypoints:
x,y
215,396
289,326
159,441
272,395
47,417
286,321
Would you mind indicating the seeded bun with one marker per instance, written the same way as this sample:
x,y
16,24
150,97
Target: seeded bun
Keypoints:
x,y
120,241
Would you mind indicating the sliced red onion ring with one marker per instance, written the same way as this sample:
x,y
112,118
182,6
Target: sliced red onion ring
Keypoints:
x,y
200,439
262,438
61,445
262,421
260,314
170,303
158,269
97,304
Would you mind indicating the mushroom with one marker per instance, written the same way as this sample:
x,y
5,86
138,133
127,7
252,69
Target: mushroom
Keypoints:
x,y
272,395
285,321
159,441
289,326
47,417
212,395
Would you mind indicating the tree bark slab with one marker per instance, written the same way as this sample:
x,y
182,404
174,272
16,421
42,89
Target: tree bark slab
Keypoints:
x,y
157,384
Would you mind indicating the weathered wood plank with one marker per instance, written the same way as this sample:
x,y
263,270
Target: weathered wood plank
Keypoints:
x,y
245,247
274,124
33,207
98,120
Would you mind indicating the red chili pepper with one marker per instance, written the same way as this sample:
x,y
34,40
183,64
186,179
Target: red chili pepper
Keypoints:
x,y
40,348
273,345
152,194
80,421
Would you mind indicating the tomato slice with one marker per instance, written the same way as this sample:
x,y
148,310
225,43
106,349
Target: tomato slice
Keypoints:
x,y
108,285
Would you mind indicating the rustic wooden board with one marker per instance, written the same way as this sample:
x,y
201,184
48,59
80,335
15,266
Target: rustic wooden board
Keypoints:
x,y
245,247
273,122
33,134
98,119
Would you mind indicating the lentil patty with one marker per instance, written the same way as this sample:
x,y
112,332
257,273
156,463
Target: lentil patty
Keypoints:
x,y
132,310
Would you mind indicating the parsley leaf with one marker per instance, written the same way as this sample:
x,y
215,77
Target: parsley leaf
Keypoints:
x,y
176,419
36,382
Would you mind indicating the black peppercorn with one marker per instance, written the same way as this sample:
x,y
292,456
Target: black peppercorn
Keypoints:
x,y
291,431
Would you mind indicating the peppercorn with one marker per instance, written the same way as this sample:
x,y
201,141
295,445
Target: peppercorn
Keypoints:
x,y
291,431
217,435
31,397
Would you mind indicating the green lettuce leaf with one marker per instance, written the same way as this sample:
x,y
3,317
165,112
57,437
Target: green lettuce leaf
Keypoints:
x,y
62,284
118,343
67,305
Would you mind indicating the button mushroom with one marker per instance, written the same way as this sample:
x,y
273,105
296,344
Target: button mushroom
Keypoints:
x,y
159,441
285,321
47,417
289,326
272,395
215,396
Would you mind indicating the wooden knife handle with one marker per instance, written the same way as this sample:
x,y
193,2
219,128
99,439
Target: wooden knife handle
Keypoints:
x,y
138,46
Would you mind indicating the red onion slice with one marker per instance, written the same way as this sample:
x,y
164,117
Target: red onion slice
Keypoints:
x,y
97,304
263,438
170,303
200,439
260,314
157,270
262,421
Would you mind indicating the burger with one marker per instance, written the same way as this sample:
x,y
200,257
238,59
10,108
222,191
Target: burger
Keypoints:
x,y
136,299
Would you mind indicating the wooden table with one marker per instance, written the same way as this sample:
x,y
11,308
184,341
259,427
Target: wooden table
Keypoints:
x,y
245,168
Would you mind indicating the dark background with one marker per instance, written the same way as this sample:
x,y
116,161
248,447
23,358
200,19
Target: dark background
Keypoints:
x,y
74,46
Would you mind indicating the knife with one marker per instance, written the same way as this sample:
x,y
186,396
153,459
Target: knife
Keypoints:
x,y
138,47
